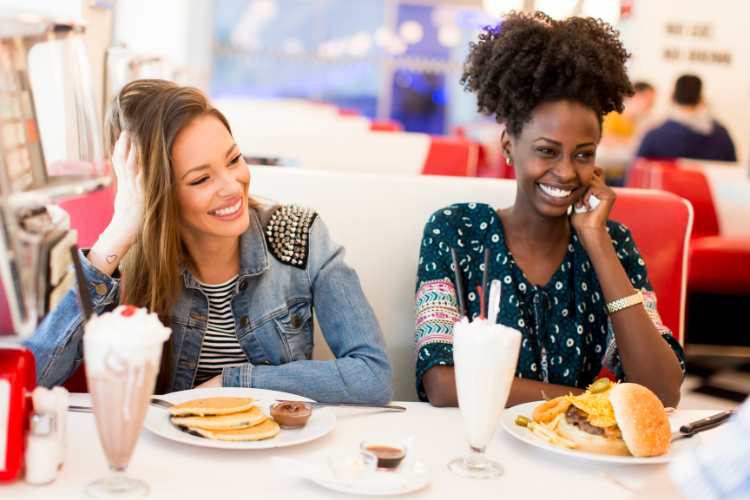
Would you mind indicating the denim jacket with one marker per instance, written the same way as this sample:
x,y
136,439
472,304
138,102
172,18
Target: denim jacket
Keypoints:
x,y
273,305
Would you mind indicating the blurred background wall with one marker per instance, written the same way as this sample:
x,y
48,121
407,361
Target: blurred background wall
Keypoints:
x,y
402,59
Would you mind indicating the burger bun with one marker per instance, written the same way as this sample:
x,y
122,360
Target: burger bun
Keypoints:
x,y
642,420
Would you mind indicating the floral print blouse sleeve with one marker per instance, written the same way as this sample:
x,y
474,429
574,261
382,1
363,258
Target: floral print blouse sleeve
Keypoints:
x,y
635,267
436,299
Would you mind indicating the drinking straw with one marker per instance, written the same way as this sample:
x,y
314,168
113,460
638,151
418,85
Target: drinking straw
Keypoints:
x,y
459,283
84,299
483,312
480,291
494,302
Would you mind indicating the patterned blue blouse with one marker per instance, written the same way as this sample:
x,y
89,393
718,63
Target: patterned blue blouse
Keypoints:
x,y
567,336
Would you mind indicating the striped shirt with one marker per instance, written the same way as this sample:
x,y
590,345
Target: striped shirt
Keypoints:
x,y
220,345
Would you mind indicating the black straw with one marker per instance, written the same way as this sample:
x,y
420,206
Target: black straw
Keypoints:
x,y
485,275
459,283
84,299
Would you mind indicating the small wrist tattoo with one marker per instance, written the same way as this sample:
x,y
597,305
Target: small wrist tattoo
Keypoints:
x,y
110,258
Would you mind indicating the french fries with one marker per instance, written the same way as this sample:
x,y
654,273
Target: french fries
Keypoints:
x,y
548,432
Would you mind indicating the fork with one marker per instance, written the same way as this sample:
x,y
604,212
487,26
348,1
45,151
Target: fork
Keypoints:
x,y
161,403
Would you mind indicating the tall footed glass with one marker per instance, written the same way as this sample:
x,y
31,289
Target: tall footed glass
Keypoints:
x,y
485,357
122,351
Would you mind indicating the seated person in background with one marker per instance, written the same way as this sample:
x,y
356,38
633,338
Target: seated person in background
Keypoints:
x,y
622,128
550,82
690,131
622,132
237,282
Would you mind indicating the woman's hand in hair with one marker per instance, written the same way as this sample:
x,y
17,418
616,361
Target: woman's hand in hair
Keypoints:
x,y
129,200
127,219
589,217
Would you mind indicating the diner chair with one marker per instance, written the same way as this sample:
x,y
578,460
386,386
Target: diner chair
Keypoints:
x,y
386,126
379,220
663,243
348,112
90,214
452,156
718,279
718,264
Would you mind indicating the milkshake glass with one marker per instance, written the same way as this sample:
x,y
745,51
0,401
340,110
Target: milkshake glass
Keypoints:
x,y
485,356
122,351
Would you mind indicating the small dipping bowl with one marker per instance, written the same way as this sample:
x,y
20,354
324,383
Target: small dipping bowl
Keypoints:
x,y
389,454
291,414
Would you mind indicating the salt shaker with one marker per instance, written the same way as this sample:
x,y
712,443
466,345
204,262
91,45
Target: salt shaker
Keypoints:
x,y
54,401
42,449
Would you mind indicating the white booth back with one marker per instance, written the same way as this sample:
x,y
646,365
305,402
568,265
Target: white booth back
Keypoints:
x,y
315,136
379,220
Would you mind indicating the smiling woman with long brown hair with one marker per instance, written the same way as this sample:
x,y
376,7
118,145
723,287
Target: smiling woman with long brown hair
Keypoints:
x,y
236,281
573,282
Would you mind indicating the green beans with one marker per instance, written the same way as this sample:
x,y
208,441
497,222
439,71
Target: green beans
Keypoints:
x,y
522,421
599,385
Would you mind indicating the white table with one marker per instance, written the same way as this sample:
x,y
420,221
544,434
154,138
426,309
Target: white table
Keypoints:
x,y
177,471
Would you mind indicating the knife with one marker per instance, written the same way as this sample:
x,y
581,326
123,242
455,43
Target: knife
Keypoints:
x,y
162,403
704,424
348,405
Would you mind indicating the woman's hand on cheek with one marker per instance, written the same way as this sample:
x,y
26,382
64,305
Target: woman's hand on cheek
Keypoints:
x,y
589,217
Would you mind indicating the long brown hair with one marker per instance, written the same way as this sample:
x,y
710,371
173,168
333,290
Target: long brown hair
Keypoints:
x,y
154,112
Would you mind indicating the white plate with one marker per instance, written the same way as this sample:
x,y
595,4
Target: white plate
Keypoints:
x,y
322,421
526,409
396,482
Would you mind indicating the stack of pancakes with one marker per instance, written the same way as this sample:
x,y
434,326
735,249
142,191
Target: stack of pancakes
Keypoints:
x,y
226,419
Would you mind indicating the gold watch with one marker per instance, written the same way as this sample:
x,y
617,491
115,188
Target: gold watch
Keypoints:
x,y
625,302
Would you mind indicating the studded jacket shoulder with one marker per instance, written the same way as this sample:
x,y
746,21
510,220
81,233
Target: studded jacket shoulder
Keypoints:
x,y
287,232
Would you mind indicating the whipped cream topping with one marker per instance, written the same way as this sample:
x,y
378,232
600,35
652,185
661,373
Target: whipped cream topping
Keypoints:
x,y
125,337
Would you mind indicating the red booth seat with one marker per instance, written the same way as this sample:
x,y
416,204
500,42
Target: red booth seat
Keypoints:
x,y
718,264
453,156
663,243
348,112
386,126
90,214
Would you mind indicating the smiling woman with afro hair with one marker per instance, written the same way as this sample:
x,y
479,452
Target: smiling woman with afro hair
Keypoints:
x,y
573,282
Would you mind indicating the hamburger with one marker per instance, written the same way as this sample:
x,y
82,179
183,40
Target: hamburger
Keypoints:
x,y
621,419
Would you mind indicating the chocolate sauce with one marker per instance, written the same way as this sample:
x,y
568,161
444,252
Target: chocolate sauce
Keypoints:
x,y
388,456
291,415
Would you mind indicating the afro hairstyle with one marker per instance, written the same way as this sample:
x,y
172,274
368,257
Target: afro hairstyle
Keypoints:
x,y
531,58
